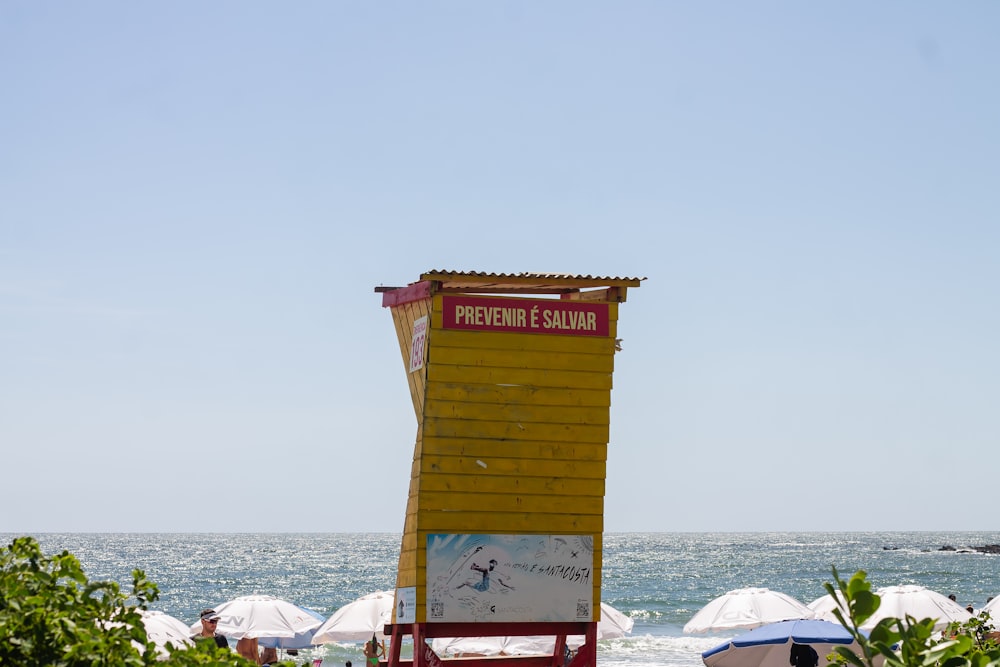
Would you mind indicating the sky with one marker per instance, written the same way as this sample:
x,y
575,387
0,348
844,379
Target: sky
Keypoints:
x,y
198,199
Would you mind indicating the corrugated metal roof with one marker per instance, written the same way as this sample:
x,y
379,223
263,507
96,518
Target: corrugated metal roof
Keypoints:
x,y
485,274
528,282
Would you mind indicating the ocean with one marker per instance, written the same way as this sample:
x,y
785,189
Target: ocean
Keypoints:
x,y
658,579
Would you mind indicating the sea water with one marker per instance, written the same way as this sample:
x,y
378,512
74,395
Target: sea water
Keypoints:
x,y
658,579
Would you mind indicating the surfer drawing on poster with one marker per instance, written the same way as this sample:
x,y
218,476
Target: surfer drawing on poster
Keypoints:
x,y
483,585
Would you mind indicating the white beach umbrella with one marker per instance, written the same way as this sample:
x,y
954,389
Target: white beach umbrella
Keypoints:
x,y
613,624
993,606
469,646
163,629
823,607
301,640
260,616
918,602
746,608
358,620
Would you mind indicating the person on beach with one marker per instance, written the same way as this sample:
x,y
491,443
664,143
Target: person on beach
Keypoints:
x,y
803,655
209,624
371,653
268,655
249,648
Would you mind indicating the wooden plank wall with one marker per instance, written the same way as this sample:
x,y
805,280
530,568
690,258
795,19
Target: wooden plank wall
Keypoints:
x,y
513,438
403,317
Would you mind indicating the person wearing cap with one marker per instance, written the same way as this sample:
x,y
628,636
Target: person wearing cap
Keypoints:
x,y
209,624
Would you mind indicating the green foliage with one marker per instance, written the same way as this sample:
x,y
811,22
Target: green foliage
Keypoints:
x,y
907,642
50,614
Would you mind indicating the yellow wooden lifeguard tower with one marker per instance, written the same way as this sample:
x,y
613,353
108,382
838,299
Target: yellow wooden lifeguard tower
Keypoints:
x,y
510,376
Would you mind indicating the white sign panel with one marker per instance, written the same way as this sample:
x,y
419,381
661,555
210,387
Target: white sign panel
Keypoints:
x,y
419,343
406,605
509,578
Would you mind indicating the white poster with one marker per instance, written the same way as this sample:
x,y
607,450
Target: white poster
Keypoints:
x,y
419,343
509,578
406,605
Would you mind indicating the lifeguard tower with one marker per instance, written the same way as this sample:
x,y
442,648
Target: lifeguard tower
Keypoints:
x,y
510,376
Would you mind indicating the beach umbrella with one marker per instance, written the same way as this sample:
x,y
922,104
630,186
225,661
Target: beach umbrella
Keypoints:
x,y
746,608
918,602
260,617
770,645
303,639
993,606
163,629
613,625
358,620
823,607
470,646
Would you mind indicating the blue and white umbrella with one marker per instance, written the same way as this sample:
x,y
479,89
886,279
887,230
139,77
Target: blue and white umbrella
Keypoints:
x,y
770,645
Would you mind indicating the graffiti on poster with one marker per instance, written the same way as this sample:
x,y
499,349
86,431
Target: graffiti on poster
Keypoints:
x,y
509,578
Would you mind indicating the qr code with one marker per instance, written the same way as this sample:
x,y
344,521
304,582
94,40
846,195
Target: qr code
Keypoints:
x,y
583,608
437,610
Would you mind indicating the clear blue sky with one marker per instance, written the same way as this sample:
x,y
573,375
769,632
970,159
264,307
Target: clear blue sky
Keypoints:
x,y
198,198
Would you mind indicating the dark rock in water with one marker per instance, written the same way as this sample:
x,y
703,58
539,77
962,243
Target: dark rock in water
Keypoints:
x,y
984,549
890,548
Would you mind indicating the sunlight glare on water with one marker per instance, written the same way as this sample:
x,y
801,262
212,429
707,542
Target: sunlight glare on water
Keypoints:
x,y
660,580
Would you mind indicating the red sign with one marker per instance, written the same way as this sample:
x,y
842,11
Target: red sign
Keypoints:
x,y
544,316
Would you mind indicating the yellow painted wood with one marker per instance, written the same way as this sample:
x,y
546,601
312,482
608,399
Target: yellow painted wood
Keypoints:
x,y
511,523
516,376
462,356
518,413
573,487
503,501
404,316
480,447
513,430
499,466
405,576
517,395
464,428
523,342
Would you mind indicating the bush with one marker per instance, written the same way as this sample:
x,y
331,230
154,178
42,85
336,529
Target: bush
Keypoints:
x,y
50,614
908,642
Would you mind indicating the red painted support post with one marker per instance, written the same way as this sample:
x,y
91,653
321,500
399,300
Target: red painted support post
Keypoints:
x,y
559,651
